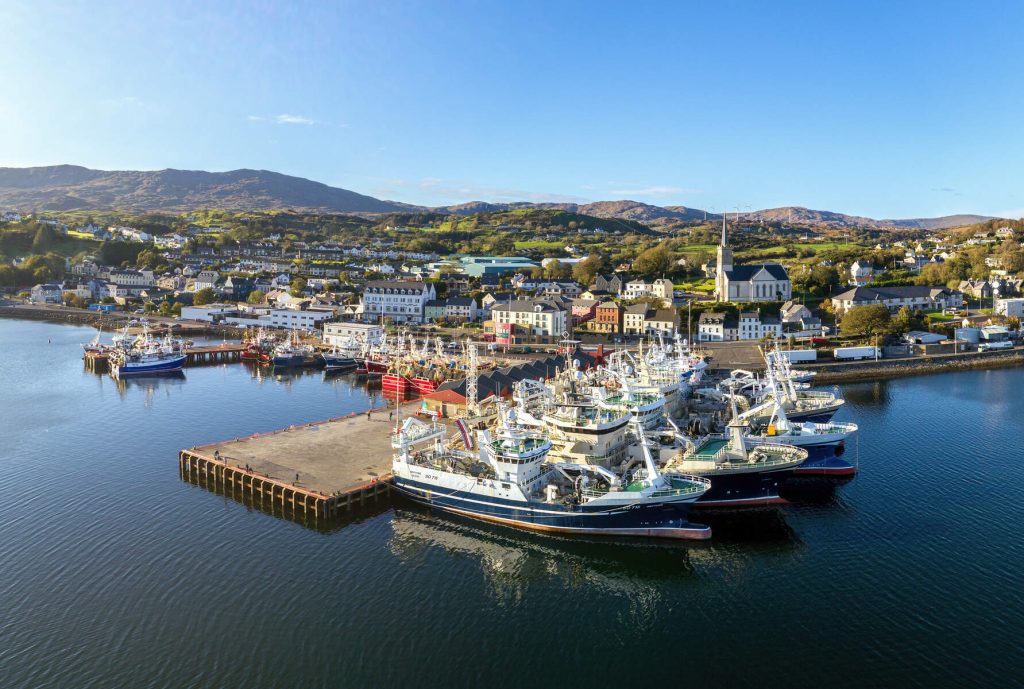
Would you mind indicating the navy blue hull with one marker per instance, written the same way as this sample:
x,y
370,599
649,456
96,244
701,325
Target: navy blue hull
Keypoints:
x,y
816,417
744,490
639,520
339,361
826,464
288,360
170,365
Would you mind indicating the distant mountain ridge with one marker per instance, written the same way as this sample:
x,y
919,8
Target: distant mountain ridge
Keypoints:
x,y
72,187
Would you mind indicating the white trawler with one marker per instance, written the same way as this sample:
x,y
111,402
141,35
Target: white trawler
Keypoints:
x,y
510,482
580,430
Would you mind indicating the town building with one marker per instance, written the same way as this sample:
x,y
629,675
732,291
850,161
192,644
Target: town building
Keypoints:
x,y
48,293
634,319
915,297
760,282
540,317
716,327
583,310
607,318
400,301
340,333
1010,308
460,309
663,322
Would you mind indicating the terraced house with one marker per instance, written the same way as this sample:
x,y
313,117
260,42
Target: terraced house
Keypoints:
x,y
398,300
915,297
536,316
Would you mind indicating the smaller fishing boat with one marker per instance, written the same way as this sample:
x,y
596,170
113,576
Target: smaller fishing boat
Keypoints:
x,y
825,442
292,353
258,346
147,356
345,356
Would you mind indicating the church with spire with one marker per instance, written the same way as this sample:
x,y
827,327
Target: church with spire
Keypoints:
x,y
761,282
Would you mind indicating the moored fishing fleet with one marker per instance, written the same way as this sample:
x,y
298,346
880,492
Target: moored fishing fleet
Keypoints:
x,y
632,446
630,443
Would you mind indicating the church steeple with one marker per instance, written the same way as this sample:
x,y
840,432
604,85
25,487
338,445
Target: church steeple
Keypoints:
x,y
724,252
723,265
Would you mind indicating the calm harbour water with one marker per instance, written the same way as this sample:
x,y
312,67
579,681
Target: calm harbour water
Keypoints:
x,y
116,573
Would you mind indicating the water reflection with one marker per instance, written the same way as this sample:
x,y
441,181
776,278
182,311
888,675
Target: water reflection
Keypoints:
x,y
513,562
874,394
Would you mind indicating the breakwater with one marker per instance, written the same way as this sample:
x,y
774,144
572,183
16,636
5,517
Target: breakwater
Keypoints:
x,y
854,371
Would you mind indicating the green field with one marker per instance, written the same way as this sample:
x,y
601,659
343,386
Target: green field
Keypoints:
x,y
707,285
539,244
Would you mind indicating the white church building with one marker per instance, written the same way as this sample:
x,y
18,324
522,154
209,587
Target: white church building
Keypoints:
x,y
761,282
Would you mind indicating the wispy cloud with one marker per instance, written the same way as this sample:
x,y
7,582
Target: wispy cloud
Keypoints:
x,y
284,118
124,102
658,191
1014,213
947,190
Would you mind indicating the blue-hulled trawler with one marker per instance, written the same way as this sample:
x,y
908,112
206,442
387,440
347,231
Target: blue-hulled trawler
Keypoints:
x,y
348,355
292,353
509,482
146,356
740,476
825,442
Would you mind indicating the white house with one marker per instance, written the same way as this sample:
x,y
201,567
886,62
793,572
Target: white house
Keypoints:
x,y
46,294
634,318
401,301
538,317
1010,307
132,278
716,327
754,326
460,309
861,273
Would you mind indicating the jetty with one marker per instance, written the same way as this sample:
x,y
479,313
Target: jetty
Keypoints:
x,y
226,353
320,470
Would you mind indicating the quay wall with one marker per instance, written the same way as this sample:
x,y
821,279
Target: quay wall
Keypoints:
x,y
108,321
854,371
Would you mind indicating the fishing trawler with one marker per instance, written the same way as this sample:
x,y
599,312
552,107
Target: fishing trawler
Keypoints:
x,y
146,356
581,430
509,482
420,371
825,442
258,346
345,356
740,477
292,353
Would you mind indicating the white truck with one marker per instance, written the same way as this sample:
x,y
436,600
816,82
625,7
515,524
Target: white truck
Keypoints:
x,y
997,344
856,353
800,355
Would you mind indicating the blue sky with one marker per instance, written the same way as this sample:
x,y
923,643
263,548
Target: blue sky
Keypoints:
x,y
875,108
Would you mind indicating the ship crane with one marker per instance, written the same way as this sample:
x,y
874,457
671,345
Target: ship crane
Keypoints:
x,y
472,379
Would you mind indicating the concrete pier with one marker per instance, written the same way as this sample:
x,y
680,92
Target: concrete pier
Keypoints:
x,y
319,470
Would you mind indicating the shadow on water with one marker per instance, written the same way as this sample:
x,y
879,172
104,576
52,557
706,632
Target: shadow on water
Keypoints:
x,y
766,526
814,490
370,507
